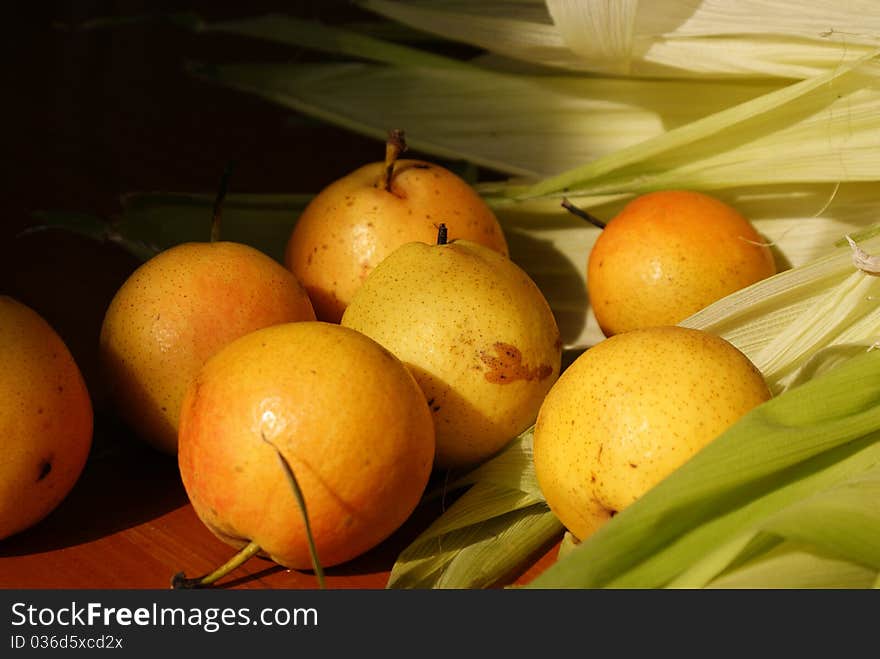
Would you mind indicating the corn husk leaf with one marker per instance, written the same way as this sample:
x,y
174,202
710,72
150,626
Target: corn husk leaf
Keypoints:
x,y
804,321
153,221
263,221
791,565
492,531
477,554
333,40
645,39
824,128
490,118
359,96
820,129
512,469
839,523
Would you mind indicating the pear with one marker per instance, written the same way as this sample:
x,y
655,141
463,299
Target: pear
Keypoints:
x,y
347,420
666,255
175,311
356,221
46,419
629,411
477,334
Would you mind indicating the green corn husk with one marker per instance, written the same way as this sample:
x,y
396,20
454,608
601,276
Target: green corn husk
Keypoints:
x,y
153,221
798,323
794,566
161,220
492,531
538,125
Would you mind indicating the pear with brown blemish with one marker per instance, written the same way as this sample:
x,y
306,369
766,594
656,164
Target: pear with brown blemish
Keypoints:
x,y
477,334
359,219
46,418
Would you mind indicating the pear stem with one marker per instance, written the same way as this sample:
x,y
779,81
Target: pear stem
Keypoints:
x,y
441,235
584,215
300,500
394,146
218,203
180,581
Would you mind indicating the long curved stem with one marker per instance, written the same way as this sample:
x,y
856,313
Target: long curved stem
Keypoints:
x,y
300,500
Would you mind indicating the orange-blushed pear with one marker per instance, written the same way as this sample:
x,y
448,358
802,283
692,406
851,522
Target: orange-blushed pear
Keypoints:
x,y
475,330
668,254
46,418
179,308
357,220
348,421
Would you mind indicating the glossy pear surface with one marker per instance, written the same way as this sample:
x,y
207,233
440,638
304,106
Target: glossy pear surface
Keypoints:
x,y
667,255
344,412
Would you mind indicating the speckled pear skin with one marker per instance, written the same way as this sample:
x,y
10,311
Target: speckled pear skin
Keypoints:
x,y
46,418
351,225
630,410
178,309
477,333
667,255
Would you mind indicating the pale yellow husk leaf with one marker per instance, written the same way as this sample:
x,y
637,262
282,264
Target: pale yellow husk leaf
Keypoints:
x,y
672,38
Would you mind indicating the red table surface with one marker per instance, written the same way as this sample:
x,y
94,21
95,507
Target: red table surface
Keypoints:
x,y
128,524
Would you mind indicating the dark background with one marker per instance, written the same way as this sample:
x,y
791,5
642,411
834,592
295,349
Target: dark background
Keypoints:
x,y
101,112
98,113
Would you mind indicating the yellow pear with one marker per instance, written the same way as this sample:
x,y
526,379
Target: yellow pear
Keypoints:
x,y
632,409
46,418
178,309
477,334
357,220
